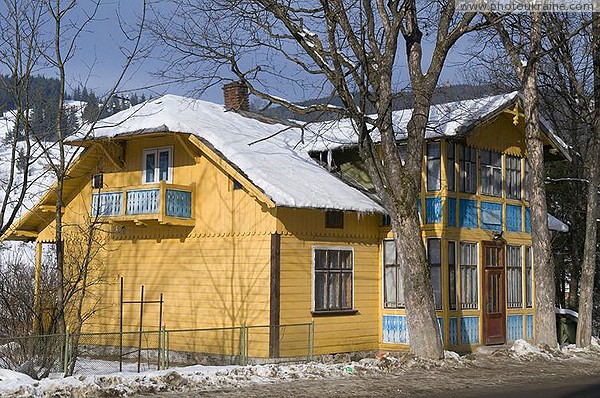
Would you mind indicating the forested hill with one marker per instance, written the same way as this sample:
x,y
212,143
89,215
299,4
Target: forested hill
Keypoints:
x,y
402,100
43,101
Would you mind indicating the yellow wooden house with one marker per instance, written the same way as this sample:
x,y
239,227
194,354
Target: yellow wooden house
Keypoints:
x,y
236,223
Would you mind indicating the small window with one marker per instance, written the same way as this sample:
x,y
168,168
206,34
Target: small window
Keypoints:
x,y
334,219
528,277
513,177
467,169
450,170
158,165
452,274
434,257
98,181
491,173
469,292
433,166
514,277
333,278
386,220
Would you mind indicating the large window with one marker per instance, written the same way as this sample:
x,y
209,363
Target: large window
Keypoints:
x,y
434,256
158,165
528,278
491,173
433,166
392,277
514,277
450,170
452,275
468,169
513,177
333,279
469,292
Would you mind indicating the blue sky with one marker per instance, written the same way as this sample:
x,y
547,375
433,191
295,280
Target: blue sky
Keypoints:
x,y
98,59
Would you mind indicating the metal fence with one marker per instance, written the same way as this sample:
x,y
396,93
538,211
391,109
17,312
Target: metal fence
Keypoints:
x,y
101,353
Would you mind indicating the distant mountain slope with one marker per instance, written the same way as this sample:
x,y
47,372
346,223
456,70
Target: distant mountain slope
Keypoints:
x,y
402,100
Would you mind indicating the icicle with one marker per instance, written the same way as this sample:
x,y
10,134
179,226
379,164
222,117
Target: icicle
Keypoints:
x,y
329,160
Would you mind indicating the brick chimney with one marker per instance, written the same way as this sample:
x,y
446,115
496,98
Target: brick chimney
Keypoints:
x,y
236,96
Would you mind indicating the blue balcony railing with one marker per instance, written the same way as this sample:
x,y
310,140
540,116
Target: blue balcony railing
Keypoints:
x,y
165,203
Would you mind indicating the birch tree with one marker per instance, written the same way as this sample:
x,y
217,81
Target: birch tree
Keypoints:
x,y
349,51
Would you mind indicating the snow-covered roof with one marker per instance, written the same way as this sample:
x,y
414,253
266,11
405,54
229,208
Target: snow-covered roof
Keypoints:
x,y
287,175
445,120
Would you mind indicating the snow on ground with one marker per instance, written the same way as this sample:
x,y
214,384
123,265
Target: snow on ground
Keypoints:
x,y
211,378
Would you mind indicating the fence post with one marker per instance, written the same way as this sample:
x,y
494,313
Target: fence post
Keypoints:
x,y
66,353
311,340
167,346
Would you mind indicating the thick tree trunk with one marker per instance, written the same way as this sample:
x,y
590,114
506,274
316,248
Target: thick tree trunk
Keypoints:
x,y
584,325
543,268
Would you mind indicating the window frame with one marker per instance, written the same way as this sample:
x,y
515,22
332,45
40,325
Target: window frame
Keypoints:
x,y
451,166
433,183
528,269
438,305
332,311
157,151
452,269
516,180
467,174
462,303
399,304
514,270
490,186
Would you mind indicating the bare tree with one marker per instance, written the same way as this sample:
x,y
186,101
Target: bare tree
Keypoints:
x,y
19,43
349,51
521,36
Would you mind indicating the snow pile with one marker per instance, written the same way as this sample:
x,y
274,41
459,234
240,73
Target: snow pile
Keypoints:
x,y
204,378
523,349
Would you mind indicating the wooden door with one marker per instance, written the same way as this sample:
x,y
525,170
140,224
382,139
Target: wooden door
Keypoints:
x,y
494,304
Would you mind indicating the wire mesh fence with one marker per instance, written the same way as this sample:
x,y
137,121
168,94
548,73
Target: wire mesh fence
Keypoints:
x,y
103,353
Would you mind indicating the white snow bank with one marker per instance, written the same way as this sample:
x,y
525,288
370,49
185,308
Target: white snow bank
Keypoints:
x,y
522,348
201,377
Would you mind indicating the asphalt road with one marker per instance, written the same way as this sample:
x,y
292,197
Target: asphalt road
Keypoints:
x,y
584,387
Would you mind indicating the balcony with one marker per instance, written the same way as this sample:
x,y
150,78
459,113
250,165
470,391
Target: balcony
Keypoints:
x,y
164,203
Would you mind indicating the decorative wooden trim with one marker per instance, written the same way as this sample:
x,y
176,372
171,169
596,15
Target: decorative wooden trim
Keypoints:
x,y
275,296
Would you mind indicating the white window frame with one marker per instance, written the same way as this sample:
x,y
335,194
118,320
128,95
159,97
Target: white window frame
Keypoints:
x,y
157,151
383,266
313,274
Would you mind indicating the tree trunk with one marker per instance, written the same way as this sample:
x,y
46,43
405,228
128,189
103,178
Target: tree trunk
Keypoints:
x,y
584,324
543,268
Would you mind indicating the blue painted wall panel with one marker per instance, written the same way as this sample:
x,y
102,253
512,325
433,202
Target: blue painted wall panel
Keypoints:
x,y
514,219
433,210
451,212
529,326
527,220
469,329
491,216
395,329
514,327
453,326
468,213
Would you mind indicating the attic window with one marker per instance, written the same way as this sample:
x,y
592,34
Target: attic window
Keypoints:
x,y
334,219
97,181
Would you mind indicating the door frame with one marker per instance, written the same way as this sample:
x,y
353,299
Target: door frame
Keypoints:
x,y
501,269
